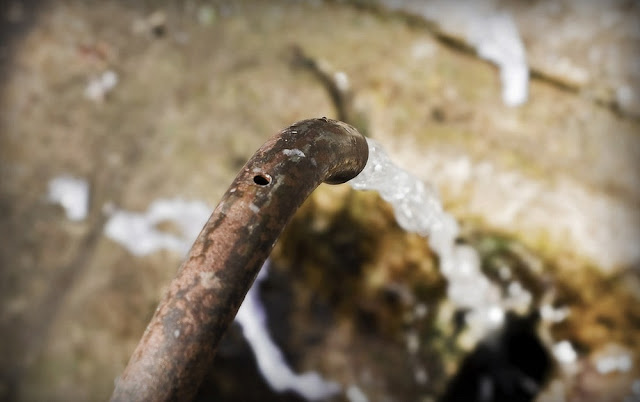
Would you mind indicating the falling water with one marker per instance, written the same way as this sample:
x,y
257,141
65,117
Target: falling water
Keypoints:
x,y
418,209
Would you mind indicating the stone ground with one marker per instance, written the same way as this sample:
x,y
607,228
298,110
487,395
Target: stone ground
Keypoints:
x,y
553,183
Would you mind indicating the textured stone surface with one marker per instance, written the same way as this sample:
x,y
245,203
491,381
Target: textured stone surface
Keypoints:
x,y
551,187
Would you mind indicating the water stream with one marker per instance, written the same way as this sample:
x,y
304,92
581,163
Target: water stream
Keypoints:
x,y
418,209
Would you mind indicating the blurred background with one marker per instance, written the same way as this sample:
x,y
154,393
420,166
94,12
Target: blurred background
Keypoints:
x,y
122,123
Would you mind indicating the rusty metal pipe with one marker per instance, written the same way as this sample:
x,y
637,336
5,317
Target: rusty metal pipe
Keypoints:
x,y
179,343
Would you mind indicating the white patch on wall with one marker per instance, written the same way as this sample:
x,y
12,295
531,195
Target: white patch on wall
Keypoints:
x,y
496,39
552,314
613,358
564,352
252,318
609,364
72,194
138,232
355,394
492,32
98,87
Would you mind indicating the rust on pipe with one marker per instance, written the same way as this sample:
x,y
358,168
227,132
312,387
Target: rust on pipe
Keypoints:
x,y
180,341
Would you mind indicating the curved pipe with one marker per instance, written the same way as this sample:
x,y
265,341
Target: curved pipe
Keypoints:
x,y
180,341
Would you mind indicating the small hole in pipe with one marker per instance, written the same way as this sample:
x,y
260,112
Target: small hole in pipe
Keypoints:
x,y
262,179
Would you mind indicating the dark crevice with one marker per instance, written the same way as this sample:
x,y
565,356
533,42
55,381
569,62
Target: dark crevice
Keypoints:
x,y
16,19
341,97
511,365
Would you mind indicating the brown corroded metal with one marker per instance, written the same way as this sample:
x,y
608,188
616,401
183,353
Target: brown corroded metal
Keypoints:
x,y
180,341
